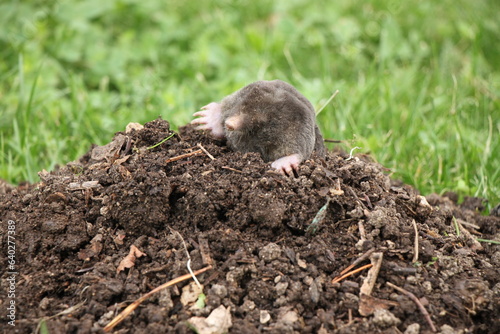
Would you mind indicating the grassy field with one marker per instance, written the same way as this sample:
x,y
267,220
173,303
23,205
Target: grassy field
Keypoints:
x,y
419,81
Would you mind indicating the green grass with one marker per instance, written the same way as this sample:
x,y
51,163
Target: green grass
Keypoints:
x,y
419,81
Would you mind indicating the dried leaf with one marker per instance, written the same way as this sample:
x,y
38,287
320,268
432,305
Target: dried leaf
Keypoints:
x,y
119,237
109,151
129,260
368,304
190,293
92,250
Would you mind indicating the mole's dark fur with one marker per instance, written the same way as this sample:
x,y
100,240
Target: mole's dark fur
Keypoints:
x,y
277,121
268,117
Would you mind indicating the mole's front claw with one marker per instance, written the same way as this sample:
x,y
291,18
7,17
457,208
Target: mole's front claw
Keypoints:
x,y
287,165
210,118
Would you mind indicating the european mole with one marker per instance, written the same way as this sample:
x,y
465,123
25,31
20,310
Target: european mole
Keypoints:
x,y
268,117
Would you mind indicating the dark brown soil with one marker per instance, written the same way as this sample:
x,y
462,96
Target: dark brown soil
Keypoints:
x,y
271,267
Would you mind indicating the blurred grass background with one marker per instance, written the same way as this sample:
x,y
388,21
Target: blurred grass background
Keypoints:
x,y
419,81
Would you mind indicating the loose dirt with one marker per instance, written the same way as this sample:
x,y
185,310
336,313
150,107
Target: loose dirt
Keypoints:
x,y
275,244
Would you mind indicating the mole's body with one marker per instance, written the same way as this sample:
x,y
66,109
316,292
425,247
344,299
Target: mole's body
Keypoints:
x,y
268,117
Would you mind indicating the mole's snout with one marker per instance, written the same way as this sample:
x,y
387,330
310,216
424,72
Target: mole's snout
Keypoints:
x,y
234,123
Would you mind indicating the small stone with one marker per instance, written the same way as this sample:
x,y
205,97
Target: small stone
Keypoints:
x,y
219,290
412,329
495,258
308,280
264,317
301,263
447,329
351,300
314,292
412,279
384,319
133,126
281,288
289,318
270,252
248,305
45,302
427,286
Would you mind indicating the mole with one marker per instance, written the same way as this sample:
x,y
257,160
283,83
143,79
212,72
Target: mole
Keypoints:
x,y
268,117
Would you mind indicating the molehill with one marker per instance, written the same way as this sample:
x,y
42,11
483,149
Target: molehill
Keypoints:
x,y
276,246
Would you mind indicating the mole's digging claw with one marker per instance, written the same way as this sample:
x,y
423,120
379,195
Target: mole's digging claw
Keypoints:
x,y
211,119
288,165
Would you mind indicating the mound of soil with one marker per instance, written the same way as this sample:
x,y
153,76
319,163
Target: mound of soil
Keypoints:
x,y
272,245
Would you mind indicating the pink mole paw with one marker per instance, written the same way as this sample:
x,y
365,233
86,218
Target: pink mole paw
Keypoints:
x,y
287,165
210,118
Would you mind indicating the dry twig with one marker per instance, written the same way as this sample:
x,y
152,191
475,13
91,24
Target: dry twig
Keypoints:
x,y
327,101
474,226
231,169
371,277
416,301
205,151
338,279
369,304
415,254
356,197
475,245
182,156
188,264
362,232
119,318
358,260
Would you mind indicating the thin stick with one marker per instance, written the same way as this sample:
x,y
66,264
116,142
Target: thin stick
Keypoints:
x,y
182,156
338,279
357,198
361,228
119,318
463,222
371,277
352,151
188,264
358,260
415,252
231,169
206,152
467,235
457,229
416,301
328,101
